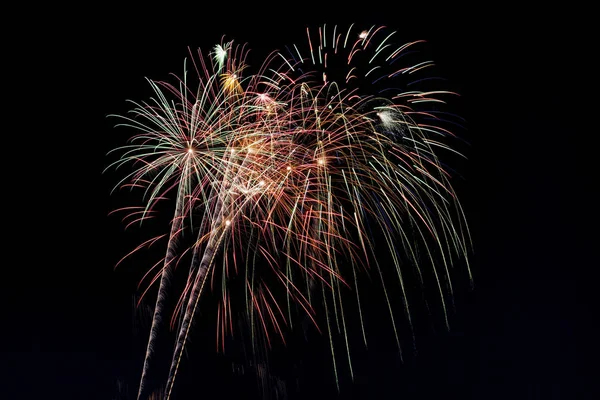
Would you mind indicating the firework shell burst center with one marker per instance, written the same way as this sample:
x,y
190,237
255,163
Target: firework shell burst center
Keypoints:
x,y
294,178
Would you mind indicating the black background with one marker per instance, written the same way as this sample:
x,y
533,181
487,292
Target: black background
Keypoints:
x,y
526,330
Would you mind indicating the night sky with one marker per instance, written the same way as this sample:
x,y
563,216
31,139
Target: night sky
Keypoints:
x,y
526,330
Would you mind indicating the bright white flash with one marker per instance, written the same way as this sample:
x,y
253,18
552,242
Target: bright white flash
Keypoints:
x,y
387,118
220,54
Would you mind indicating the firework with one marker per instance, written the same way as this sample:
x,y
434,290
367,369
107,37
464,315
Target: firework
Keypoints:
x,y
288,176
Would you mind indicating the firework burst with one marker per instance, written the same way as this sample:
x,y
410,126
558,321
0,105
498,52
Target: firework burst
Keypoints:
x,y
288,179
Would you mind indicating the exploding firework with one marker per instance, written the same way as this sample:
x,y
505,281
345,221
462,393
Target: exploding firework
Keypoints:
x,y
294,180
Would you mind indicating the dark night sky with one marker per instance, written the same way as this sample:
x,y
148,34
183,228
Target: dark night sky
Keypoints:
x,y
526,330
